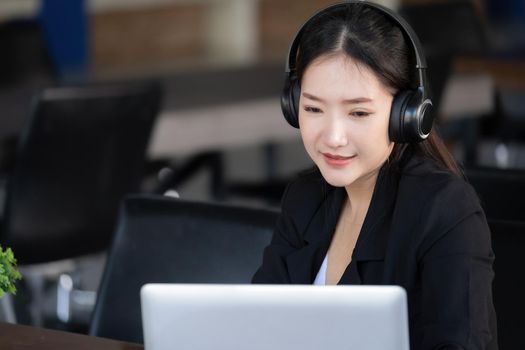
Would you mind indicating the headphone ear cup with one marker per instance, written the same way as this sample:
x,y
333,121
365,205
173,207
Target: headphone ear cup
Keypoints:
x,y
410,117
397,113
290,100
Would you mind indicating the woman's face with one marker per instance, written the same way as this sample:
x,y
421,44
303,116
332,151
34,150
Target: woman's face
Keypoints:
x,y
344,114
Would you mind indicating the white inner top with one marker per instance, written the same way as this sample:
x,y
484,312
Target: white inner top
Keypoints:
x,y
320,279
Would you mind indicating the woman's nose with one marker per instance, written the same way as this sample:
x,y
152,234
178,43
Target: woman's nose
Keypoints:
x,y
334,134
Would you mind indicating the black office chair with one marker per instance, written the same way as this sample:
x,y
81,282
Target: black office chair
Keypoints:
x,y
25,68
166,240
501,191
81,153
447,29
455,25
508,242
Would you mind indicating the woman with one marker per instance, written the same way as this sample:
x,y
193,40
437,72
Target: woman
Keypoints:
x,y
386,203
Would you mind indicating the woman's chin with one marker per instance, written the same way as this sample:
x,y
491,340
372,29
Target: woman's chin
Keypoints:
x,y
337,181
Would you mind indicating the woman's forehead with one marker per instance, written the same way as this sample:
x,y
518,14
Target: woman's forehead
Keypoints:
x,y
332,72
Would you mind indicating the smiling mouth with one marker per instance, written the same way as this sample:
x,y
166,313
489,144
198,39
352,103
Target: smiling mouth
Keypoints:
x,y
337,161
337,157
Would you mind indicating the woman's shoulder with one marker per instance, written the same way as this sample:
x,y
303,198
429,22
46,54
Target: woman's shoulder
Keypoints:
x,y
428,175
444,208
306,184
440,195
305,192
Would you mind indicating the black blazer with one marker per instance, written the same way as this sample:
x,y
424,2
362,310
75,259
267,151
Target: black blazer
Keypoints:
x,y
424,231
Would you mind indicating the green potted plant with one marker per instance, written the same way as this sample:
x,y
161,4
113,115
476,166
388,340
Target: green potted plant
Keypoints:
x,y
8,276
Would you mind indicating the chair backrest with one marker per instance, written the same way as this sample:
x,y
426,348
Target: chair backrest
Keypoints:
x,y
445,29
501,191
166,240
25,57
25,68
453,26
508,242
82,152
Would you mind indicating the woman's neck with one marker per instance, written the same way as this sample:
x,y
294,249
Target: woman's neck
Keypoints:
x,y
360,195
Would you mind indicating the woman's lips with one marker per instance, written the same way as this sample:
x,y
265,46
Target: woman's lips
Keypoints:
x,y
337,160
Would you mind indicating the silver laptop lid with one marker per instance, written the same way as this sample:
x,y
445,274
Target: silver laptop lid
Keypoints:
x,y
275,317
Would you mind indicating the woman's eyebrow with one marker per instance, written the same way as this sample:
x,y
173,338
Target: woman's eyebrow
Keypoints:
x,y
355,100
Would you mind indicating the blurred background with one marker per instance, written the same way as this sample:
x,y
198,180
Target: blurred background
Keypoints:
x,y
103,98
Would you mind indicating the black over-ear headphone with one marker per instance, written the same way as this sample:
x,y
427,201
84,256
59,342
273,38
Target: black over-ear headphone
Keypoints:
x,y
410,116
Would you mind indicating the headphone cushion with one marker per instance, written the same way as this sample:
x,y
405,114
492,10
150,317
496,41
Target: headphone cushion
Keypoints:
x,y
411,117
397,113
290,101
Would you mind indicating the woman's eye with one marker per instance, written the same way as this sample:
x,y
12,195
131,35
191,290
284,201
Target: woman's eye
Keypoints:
x,y
360,114
312,109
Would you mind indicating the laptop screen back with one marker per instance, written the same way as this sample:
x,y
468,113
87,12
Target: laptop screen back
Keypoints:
x,y
257,317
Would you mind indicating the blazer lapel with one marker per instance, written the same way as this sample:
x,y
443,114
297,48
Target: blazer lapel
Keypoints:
x,y
304,263
372,242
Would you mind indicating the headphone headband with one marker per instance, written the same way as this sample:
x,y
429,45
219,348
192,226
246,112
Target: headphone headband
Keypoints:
x,y
421,63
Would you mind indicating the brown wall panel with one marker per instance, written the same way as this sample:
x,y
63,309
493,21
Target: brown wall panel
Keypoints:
x,y
149,37
280,20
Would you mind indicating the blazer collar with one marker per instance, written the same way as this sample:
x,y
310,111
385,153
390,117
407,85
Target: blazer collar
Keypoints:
x,y
304,263
381,206
372,240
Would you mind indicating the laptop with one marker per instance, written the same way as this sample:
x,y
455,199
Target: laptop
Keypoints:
x,y
273,317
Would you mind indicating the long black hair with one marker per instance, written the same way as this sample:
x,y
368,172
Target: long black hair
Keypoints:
x,y
374,39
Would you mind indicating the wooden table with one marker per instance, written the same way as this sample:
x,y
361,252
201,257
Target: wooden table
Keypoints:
x,y
18,337
219,128
469,93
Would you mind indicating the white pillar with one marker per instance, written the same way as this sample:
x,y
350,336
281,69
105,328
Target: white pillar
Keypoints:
x,y
18,8
233,31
